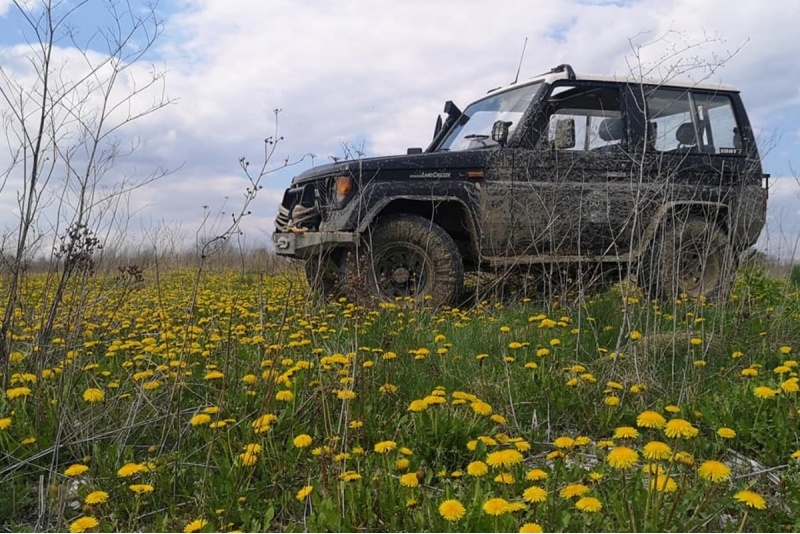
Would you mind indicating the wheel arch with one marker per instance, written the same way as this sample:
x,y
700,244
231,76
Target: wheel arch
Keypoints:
x,y
451,213
714,212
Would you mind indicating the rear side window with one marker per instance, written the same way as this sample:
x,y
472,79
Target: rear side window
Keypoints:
x,y
692,122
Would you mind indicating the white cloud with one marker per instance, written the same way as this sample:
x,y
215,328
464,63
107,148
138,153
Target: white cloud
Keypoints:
x,y
377,74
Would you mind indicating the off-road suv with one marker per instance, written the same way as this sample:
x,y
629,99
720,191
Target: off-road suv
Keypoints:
x,y
661,178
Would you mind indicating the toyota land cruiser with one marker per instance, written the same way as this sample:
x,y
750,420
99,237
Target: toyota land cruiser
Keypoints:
x,y
660,177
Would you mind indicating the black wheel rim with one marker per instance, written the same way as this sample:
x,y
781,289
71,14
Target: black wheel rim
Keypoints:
x,y
402,271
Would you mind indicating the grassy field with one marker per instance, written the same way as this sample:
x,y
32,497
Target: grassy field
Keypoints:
x,y
240,403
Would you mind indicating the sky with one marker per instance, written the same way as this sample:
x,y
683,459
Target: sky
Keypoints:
x,y
359,76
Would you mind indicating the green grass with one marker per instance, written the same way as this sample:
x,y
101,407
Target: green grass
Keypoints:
x,y
510,376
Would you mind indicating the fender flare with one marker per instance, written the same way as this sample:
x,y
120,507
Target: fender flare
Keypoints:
x,y
375,210
678,206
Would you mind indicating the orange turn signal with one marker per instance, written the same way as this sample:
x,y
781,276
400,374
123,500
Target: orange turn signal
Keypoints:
x,y
476,175
344,184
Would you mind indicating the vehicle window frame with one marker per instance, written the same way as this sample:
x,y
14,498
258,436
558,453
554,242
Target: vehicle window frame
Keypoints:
x,y
544,114
704,133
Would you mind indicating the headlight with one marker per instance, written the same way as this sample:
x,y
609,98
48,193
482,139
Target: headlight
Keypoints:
x,y
344,184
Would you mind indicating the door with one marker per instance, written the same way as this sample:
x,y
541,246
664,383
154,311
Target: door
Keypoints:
x,y
571,191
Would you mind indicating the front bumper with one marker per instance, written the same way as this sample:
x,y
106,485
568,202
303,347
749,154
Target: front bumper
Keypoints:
x,y
306,244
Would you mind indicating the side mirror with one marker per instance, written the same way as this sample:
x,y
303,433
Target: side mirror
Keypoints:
x,y
412,151
565,134
500,132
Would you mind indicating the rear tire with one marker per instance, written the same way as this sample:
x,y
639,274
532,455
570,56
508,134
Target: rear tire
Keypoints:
x,y
410,256
691,258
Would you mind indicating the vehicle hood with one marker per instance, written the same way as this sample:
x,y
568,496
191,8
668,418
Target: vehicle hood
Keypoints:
x,y
421,166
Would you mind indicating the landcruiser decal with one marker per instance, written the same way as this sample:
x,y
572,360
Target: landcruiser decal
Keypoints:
x,y
431,175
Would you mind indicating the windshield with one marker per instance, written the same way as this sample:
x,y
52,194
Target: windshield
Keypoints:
x,y
474,128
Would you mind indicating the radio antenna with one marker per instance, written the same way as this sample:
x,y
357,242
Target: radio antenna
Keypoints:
x,y
521,57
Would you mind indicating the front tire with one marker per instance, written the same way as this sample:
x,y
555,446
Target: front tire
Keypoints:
x,y
324,273
410,256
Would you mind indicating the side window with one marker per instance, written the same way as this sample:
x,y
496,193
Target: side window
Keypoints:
x,y
583,118
686,122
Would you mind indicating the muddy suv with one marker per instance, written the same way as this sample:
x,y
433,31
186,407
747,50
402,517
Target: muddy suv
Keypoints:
x,y
658,179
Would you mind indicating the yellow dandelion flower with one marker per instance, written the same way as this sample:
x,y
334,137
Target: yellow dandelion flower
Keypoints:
x,y
496,506
751,499
785,349
611,400
350,476
564,442
140,489
531,527
516,506
714,471
663,483
505,478
302,441
749,372
504,458
764,392
791,385
264,423
346,394
384,447
542,352
83,524
535,475
481,408
452,510
515,345
622,458
625,432
534,494
684,458
680,428
18,392
574,490
635,334
93,395
131,469
589,505
76,470
726,433
304,492
477,469
5,422
96,497
418,405
284,395
409,480
200,419
796,455
402,464
657,450
651,419
214,375
194,526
